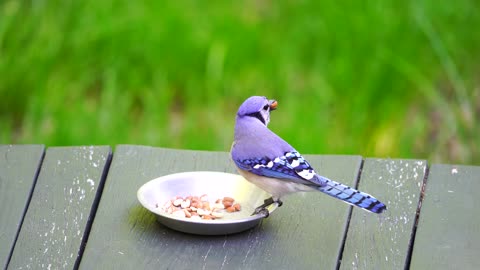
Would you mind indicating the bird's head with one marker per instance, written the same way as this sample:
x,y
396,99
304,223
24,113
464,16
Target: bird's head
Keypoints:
x,y
257,107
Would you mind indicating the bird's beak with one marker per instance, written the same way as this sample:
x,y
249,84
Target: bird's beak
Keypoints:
x,y
273,104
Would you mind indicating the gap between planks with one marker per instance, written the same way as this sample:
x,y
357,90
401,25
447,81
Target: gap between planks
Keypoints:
x,y
17,233
93,212
417,217
349,217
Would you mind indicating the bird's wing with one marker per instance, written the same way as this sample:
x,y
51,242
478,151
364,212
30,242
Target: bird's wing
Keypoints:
x,y
291,167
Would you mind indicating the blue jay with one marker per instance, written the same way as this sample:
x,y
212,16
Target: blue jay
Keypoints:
x,y
266,160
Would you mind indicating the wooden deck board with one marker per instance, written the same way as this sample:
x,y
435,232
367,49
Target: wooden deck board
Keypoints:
x,y
448,233
383,241
67,188
305,233
19,166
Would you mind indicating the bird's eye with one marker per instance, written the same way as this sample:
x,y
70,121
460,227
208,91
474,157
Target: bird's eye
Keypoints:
x,y
266,107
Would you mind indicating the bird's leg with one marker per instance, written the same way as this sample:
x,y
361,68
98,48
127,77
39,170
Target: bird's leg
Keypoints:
x,y
262,209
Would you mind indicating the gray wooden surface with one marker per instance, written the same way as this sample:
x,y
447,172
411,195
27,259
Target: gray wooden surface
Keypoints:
x,y
50,200
57,220
19,166
305,233
383,242
448,234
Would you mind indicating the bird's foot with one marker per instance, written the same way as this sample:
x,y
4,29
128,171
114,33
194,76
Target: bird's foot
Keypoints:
x,y
279,203
262,209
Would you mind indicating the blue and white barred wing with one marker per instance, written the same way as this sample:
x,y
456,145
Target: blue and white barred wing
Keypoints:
x,y
291,166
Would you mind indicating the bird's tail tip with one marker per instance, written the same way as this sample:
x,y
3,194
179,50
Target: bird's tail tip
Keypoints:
x,y
378,207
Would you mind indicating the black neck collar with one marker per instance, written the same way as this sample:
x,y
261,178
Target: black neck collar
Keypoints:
x,y
257,115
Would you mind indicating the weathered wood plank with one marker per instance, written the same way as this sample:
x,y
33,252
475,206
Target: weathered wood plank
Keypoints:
x,y
62,206
448,233
383,242
305,233
19,166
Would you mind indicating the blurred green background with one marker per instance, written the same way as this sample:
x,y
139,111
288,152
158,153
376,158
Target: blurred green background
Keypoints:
x,y
390,79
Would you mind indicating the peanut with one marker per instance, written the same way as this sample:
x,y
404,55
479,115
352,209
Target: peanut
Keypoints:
x,y
227,204
218,206
208,217
195,204
185,204
177,202
187,213
203,212
217,214
179,213
237,207
228,199
206,205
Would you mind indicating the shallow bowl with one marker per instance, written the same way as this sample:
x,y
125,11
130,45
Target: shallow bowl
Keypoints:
x,y
154,194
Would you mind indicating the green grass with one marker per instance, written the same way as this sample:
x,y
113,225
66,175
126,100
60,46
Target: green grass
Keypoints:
x,y
395,79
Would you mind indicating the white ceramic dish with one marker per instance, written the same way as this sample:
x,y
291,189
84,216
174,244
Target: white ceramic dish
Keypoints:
x,y
155,193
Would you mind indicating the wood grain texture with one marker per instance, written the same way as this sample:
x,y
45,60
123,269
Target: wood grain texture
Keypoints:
x,y
448,233
383,241
19,166
67,189
305,233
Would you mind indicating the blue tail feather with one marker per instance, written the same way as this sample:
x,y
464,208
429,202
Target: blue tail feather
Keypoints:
x,y
351,196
